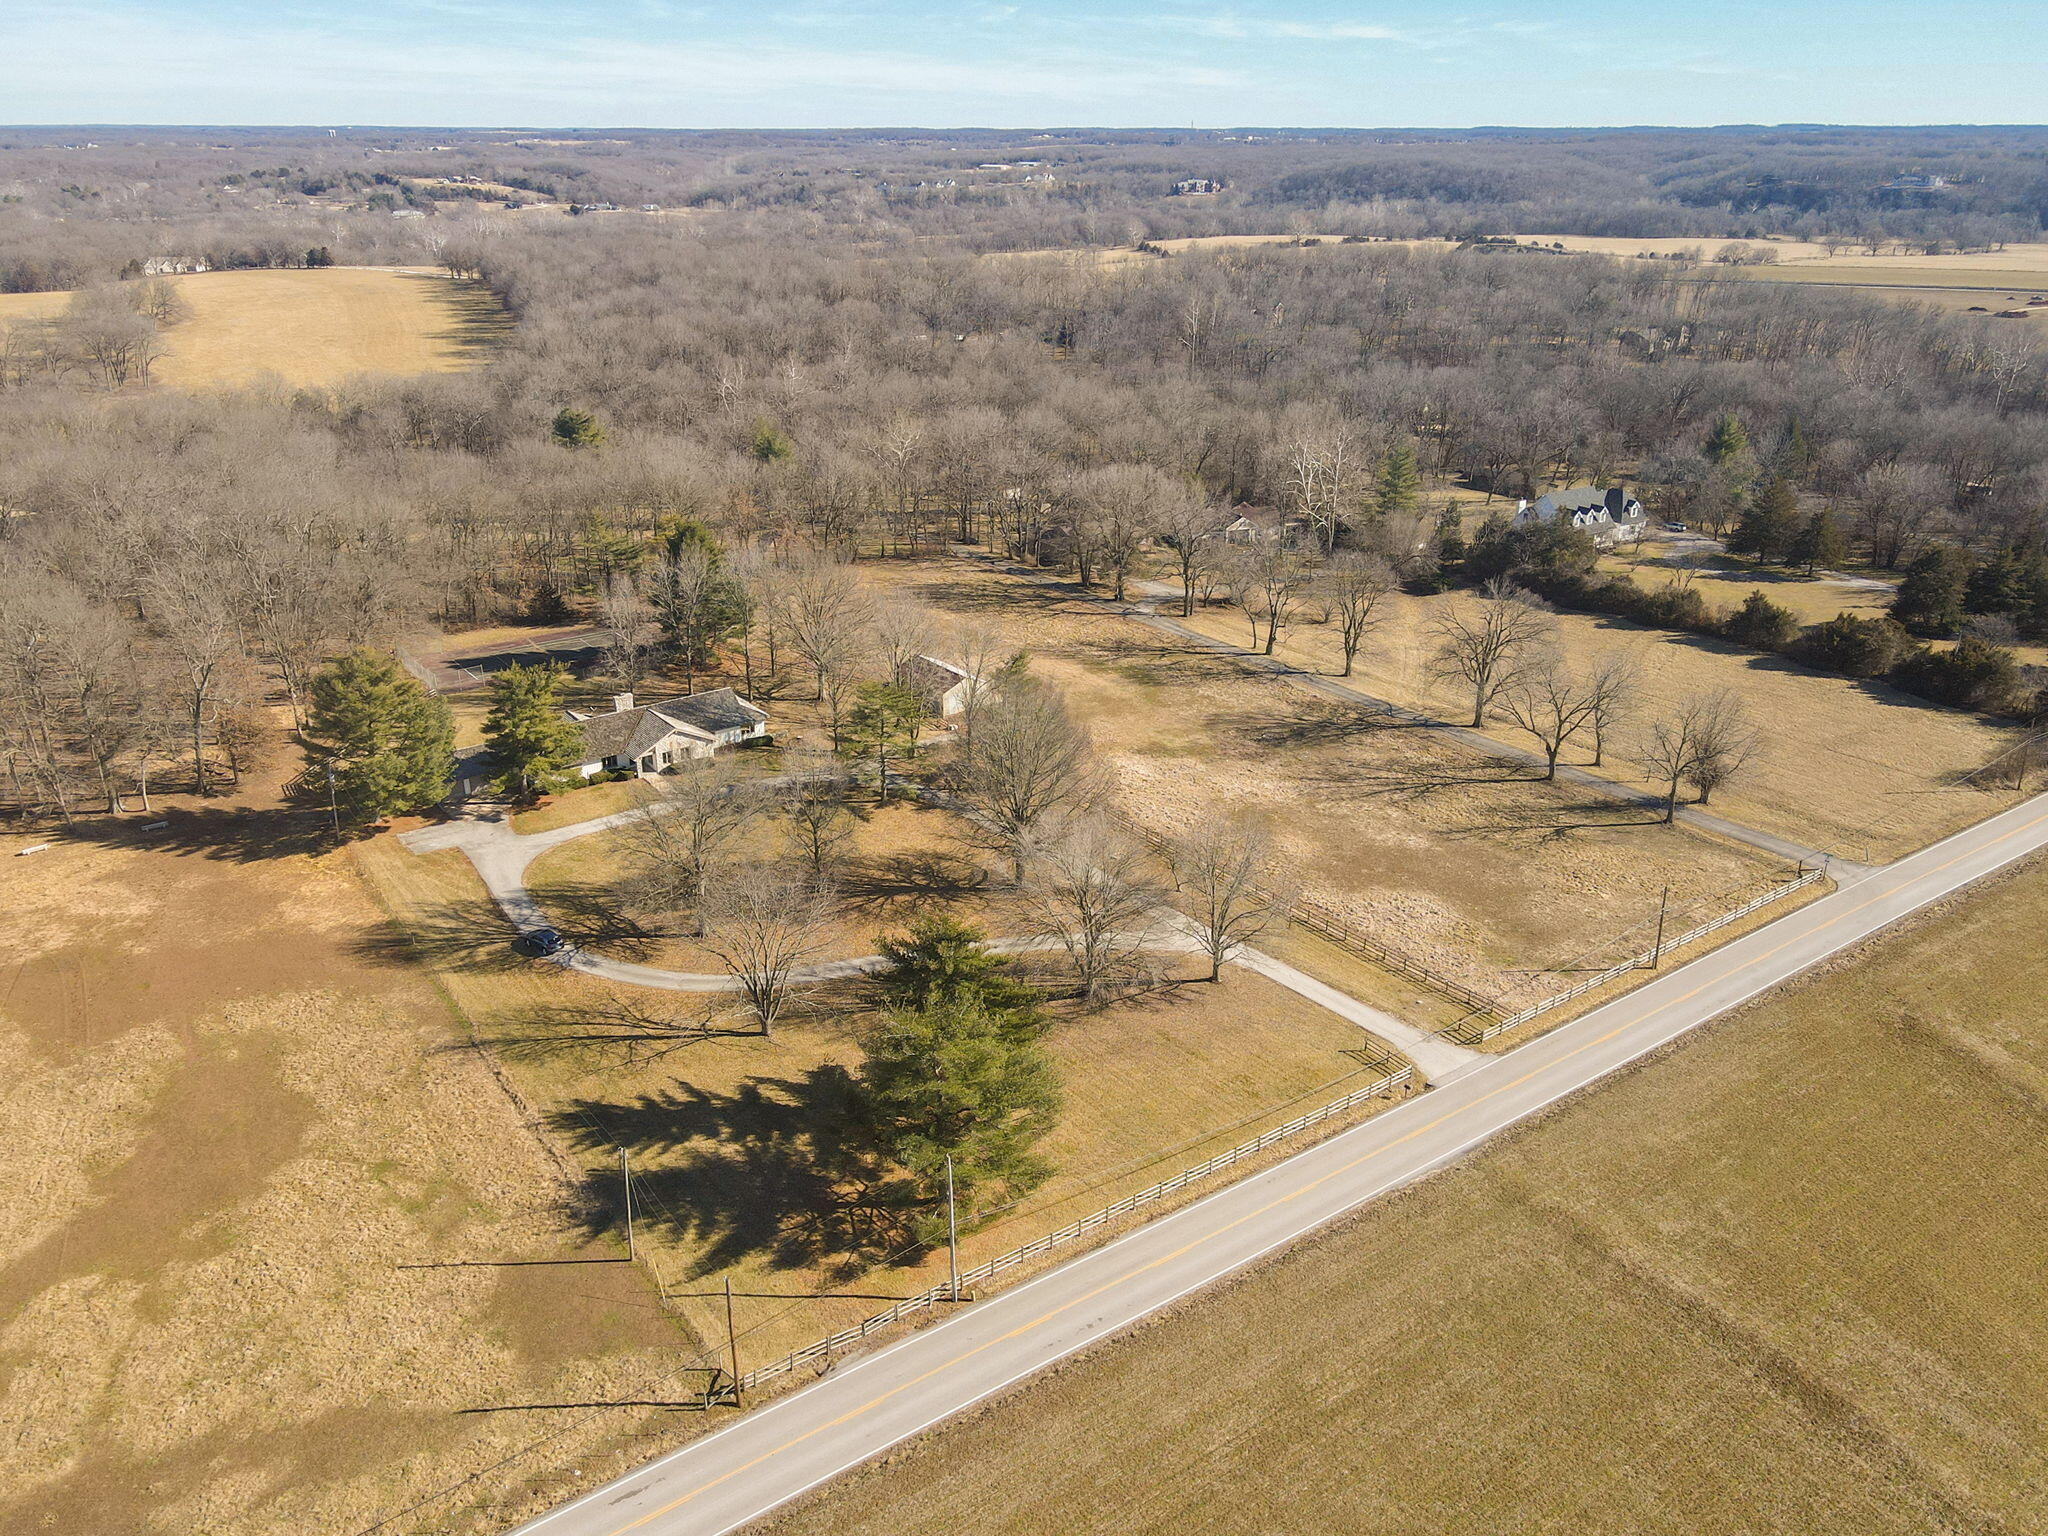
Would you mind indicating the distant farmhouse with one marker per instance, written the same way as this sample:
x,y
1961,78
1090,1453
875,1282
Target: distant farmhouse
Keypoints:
x,y
1197,186
1609,515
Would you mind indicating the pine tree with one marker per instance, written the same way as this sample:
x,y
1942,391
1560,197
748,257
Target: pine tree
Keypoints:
x,y
1400,480
943,962
697,601
527,731
576,429
883,725
767,443
951,1080
1820,543
1761,624
1930,599
1726,443
388,741
1769,523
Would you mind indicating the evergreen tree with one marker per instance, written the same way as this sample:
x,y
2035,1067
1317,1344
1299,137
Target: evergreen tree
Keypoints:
x,y
767,443
942,962
1726,443
1449,551
883,725
1820,543
527,731
699,604
2003,584
576,429
1400,480
388,741
951,1080
1769,523
1761,624
1792,458
605,553
1930,600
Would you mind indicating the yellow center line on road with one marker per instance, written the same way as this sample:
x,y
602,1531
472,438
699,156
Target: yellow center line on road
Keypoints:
x,y
1308,1188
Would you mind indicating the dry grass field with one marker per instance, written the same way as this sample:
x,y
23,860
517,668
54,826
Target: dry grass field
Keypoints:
x,y
731,1134
1782,1281
1856,767
278,1253
312,327
1467,864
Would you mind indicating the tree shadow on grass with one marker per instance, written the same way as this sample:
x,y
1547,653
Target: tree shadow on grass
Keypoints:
x,y
619,1030
590,914
237,834
773,1171
889,880
467,935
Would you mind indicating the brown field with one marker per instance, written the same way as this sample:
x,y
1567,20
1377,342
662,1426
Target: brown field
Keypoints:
x,y
1469,865
1858,768
253,1264
313,327
1780,1282
730,1133
1725,582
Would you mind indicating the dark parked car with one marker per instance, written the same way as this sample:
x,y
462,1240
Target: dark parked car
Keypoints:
x,y
544,941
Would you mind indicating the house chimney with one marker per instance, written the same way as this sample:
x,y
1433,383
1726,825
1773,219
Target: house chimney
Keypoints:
x,y
621,701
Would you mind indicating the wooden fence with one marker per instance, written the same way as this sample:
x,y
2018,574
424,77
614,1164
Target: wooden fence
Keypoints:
x,y
1472,1030
1326,923
1094,1220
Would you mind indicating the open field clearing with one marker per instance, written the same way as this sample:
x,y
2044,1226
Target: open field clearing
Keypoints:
x,y
736,1165
1675,245
1124,255
1855,767
1725,582
1468,865
253,1270
312,327
1779,1282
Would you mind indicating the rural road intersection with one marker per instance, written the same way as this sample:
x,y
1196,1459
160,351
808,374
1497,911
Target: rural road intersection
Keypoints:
x,y
764,1459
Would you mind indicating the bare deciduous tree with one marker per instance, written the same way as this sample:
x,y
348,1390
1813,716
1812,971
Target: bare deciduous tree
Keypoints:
x,y
1488,646
1234,881
1616,682
763,921
1552,703
1029,766
1090,891
812,800
1265,579
1705,742
1352,583
672,849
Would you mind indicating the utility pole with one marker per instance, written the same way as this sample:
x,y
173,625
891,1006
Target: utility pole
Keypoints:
x,y
333,810
732,1339
1657,950
626,1177
952,1238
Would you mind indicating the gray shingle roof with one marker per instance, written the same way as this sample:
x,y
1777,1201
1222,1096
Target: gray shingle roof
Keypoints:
x,y
719,710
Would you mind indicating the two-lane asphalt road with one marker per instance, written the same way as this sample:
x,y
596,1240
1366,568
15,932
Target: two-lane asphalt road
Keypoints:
x,y
768,1457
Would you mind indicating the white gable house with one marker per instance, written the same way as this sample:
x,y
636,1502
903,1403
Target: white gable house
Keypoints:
x,y
646,739
1610,515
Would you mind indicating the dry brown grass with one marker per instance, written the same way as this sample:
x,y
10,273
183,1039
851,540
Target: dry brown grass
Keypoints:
x,y
718,1127
1468,864
1779,1283
233,1131
1857,767
312,327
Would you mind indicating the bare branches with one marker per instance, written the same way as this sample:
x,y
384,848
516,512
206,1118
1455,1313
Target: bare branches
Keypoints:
x,y
1489,646
1705,742
1236,881
764,921
1090,891
1352,583
1029,766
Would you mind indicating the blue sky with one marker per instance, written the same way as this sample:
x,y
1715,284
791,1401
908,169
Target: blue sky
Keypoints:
x,y
824,63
